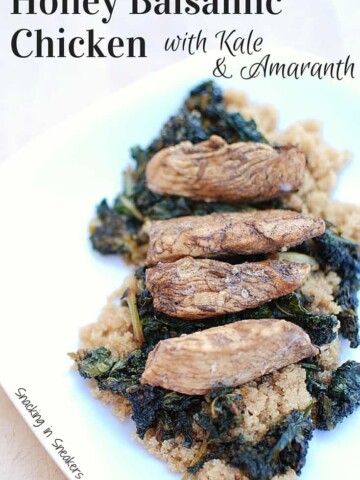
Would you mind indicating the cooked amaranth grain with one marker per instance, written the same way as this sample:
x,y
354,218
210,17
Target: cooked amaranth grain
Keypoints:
x,y
275,395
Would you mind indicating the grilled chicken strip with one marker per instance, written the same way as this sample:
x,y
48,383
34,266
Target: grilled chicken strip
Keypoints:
x,y
222,234
226,356
215,170
195,289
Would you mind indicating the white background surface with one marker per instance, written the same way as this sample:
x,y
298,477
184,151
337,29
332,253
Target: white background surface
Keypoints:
x,y
38,93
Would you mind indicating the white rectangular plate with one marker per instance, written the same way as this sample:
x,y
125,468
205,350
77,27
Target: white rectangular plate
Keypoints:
x,y
52,283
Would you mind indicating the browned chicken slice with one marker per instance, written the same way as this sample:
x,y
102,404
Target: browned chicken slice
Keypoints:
x,y
237,172
230,233
195,289
226,356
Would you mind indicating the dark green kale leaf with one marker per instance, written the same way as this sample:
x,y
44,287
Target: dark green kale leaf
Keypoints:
x,y
221,415
337,253
314,384
116,375
207,99
284,446
204,114
114,232
125,373
337,399
170,413
93,363
341,397
319,326
219,418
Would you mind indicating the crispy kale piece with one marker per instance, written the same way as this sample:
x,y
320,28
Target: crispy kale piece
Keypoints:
x,y
114,232
341,397
221,415
118,375
319,326
337,253
207,99
284,446
337,399
202,115
170,413
173,413
93,363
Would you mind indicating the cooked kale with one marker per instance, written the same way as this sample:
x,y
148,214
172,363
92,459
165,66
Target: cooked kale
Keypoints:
x,y
202,115
314,383
170,413
337,399
219,418
347,297
337,253
93,363
116,375
284,446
